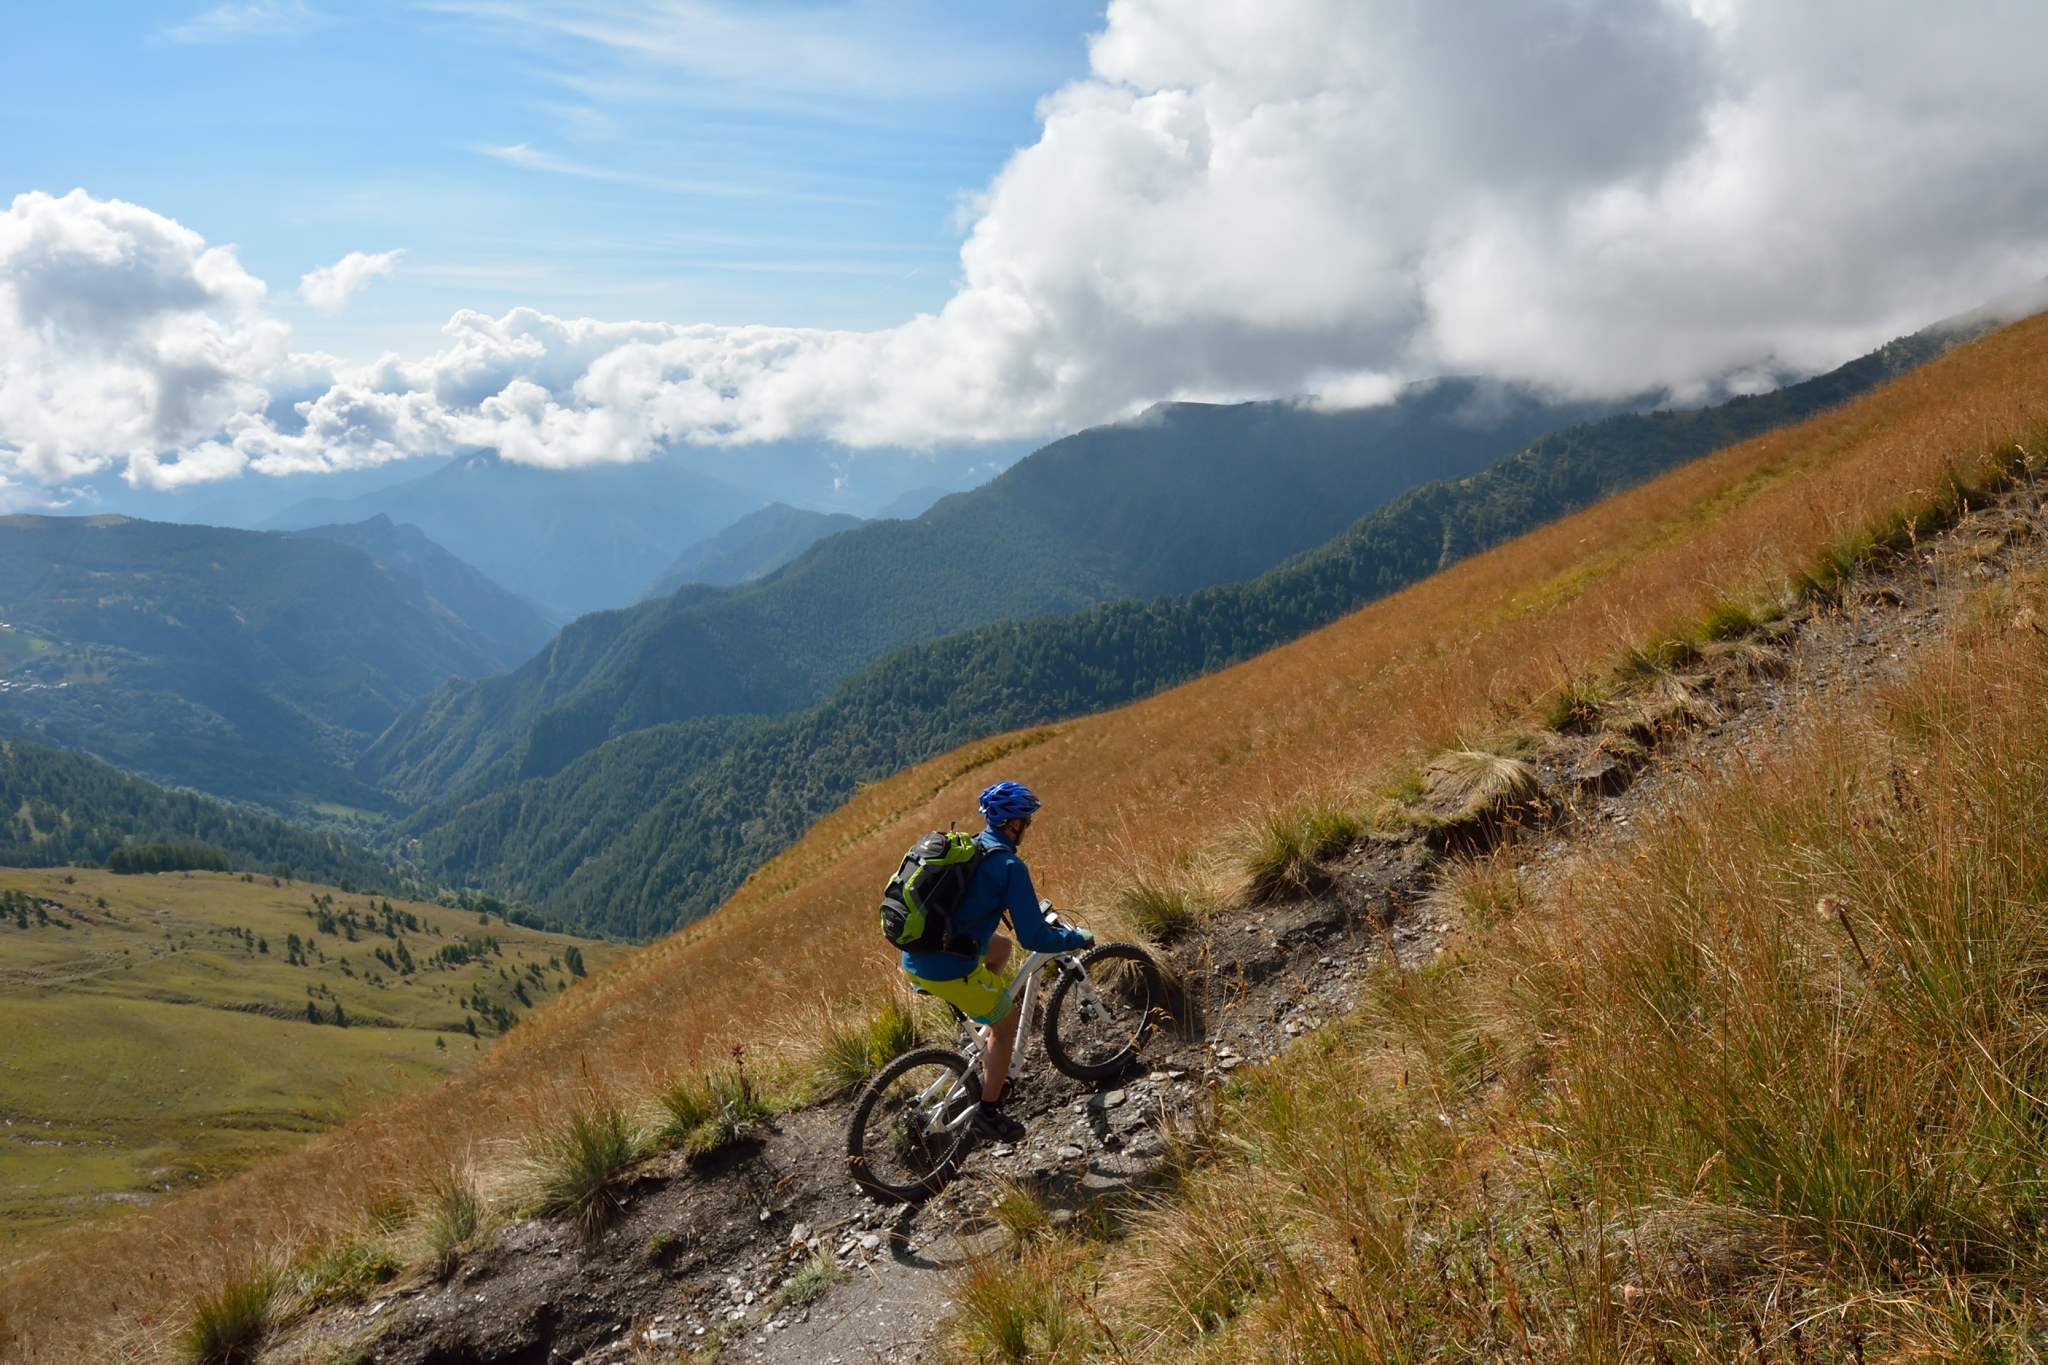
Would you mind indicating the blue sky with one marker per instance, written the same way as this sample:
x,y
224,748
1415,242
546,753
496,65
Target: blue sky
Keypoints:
x,y
786,163
631,228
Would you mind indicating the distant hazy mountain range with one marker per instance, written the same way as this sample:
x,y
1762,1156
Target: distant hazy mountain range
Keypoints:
x,y
756,544
252,665
1187,496
911,505
572,543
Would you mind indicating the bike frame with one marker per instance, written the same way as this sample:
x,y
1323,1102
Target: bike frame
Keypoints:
x,y
939,1098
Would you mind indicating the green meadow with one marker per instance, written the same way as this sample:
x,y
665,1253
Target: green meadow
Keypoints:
x,y
159,1032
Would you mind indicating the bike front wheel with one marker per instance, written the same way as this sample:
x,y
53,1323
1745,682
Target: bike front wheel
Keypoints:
x,y
1100,1014
912,1123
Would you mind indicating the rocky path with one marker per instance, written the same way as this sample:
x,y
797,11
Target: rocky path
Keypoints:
x,y
704,1251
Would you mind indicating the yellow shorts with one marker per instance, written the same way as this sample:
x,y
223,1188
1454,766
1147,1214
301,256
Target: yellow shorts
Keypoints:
x,y
981,995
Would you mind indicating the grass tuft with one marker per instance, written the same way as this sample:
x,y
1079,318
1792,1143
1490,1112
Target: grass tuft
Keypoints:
x,y
854,1042
1019,1309
227,1326
1729,621
1574,708
1019,1209
347,1271
809,1284
1465,784
579,1165
1292,852
453,1221
711,1110
1163,913
1670,702
1486,891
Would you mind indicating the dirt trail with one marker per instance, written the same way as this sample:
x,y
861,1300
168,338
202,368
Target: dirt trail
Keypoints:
x,y
702,1249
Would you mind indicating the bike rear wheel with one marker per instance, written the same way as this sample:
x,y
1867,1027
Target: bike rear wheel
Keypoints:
x,y
1100,1016
912,1122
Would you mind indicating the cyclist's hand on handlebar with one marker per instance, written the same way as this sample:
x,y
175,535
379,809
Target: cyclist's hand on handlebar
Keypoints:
x,y
1087,937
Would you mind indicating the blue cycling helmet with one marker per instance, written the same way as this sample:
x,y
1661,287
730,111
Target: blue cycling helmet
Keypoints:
x,y
1007,801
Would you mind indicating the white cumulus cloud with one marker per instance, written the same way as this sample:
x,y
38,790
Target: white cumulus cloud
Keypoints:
x,y
123,335
1242,197
331,286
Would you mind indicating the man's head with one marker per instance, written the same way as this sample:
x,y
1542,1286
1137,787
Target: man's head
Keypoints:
x,y
1008,808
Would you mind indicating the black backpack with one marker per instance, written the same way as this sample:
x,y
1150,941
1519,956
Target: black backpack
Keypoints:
x,y
918,903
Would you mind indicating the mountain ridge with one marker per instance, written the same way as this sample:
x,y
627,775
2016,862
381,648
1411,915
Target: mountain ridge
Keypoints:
x,y
248,664
70,808
514,626
757,544
1185,497
571,543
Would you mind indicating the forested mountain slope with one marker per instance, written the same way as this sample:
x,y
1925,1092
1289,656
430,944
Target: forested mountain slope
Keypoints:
x,y
67,808
1189,496
656,828
508,623
247,664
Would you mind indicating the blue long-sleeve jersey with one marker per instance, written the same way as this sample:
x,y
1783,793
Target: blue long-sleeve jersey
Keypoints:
x,y
1002,884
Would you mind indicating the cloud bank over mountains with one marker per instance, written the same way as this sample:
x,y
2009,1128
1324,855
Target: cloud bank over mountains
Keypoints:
x,y
1244,197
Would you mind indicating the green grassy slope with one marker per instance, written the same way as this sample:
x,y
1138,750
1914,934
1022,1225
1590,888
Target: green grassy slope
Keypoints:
x,y
251,665
157,1028
1190,496
656,828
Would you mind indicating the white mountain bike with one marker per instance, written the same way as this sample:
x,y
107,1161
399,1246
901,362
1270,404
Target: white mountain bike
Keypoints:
x,y
913,1122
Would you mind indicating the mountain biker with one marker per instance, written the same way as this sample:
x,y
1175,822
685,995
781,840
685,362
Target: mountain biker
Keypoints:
x,y
976,986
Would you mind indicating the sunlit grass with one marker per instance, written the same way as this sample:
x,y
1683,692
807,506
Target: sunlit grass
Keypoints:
x,y
858,1038
711,1109
577,1166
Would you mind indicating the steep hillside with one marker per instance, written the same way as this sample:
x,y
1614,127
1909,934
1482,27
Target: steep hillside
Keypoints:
x,y
1382,983
589,844
1187,497
1171,792
575,541
756,544
71,808
508,622
250,665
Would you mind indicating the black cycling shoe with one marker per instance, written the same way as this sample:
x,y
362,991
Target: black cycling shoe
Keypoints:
x,y
991,1121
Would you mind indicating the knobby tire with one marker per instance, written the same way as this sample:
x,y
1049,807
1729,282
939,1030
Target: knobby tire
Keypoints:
x,y
890,1151
1092,1045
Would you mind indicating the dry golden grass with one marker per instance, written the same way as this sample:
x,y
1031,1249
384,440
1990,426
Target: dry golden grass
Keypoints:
x,y
1331,718
1761,1082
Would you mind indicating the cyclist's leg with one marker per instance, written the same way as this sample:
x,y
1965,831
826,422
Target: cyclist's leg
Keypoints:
x,y
1003,1039
984,997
